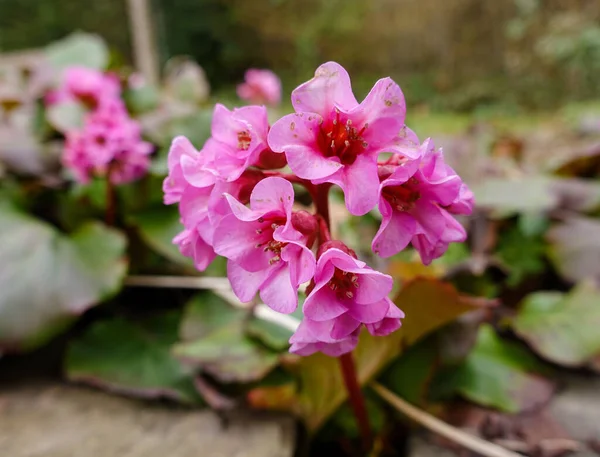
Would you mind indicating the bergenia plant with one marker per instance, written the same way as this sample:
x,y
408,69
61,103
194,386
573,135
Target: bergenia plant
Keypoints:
x,y
109,145
234,202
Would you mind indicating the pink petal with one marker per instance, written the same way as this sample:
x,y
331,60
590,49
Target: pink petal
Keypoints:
x,y
343,326
180,146
301,263
371,313
273,194
341,260
323,304
394,234
373,286
238,241
383,110
329,88
297,136
278,293
360,184
245,285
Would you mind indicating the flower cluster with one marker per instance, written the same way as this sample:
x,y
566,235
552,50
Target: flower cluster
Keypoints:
x,y
234,204
109,144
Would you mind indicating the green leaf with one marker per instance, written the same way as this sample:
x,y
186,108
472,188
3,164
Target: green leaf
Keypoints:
x,y
272,335
157,227
142,99
430,304
523,255
66,116
562,327
132,358
215,341
84,49
575,248
207,312
228,355
48,278
502,375
506,197
409,375
186,81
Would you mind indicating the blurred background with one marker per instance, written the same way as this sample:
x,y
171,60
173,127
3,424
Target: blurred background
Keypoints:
x,y
459,55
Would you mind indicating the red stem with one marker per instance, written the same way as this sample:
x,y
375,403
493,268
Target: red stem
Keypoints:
x,y
321,199
357,401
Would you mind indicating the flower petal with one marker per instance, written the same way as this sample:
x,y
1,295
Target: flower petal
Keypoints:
x,y
329,88
272,194
238,241
278,293
395,232
323,304
360,184
297,136
343,326
383,110
245,285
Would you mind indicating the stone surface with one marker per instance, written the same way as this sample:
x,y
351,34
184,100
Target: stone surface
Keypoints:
x,y
65,421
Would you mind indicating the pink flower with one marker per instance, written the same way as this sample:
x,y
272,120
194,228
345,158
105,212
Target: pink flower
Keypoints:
x,y
260,86
192,245
90,86
305,342
332,138
110,144
346,295
266,252
182,151
415,200
238,139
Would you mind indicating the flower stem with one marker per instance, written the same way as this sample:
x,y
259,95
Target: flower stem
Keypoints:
x,y
322,202
357,401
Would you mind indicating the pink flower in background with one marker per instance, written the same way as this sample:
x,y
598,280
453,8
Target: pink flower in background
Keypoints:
x,y
414,201
87,85
260,86
109,144
266,252
332,138
346,295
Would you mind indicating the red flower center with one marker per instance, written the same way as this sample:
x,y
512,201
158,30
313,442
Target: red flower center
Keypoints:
x,y
338,138
266,242
244,140
343,284
404,196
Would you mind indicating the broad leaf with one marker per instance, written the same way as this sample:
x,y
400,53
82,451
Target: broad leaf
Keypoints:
x,y
502,374
228,355
575,248
66,116
79,48
215,341
158,227
562,327
523,255
272,335
509,196
132,358
428,305
47,278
